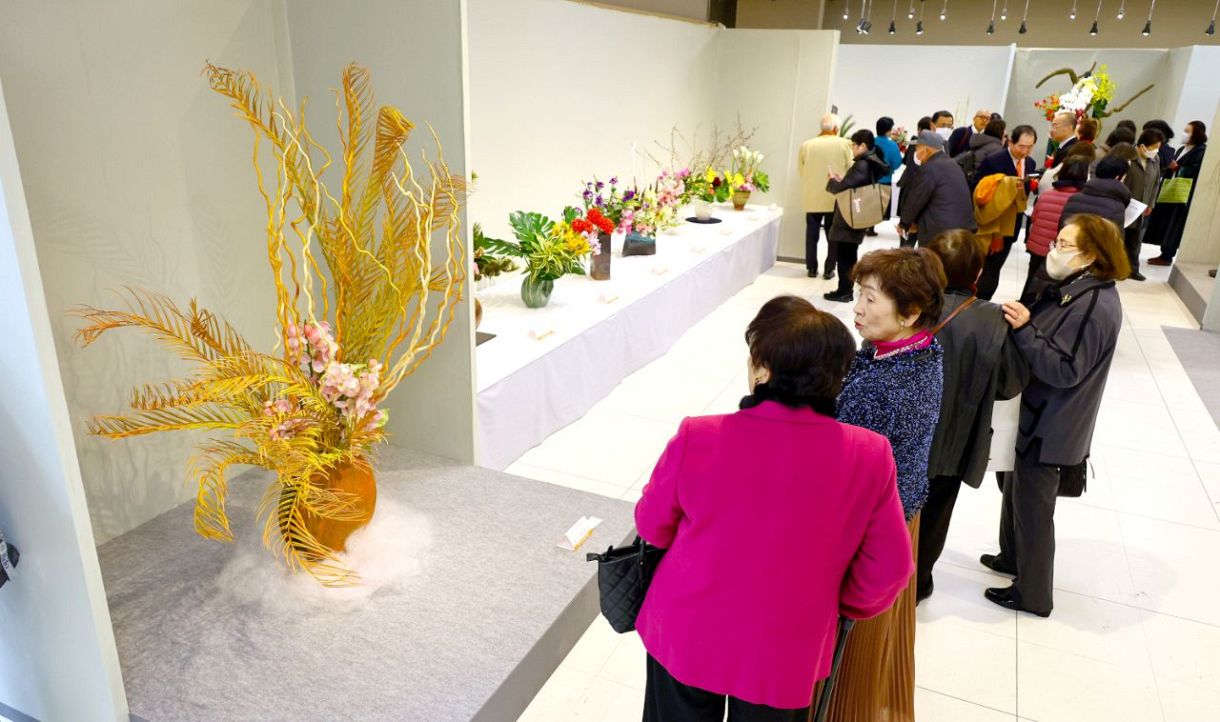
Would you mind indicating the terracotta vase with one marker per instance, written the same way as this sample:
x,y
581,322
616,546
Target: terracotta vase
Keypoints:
x,y
599,269
740,199
357,480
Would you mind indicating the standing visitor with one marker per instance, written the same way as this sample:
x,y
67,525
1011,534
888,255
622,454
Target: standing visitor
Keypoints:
x,y
959,141
982,145
1063,136
894,388
940,201
911,172
1017,163
888,150
827,151
1168,164
942,123
1068,338
867,169
724,625
1104,195
981,365
1168,221
1143,179
1048,218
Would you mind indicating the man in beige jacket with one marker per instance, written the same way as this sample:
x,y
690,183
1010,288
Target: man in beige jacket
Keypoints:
x,y
816,159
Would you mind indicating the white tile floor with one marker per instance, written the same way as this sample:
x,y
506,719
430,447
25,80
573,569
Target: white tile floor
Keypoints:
x,y
1136,629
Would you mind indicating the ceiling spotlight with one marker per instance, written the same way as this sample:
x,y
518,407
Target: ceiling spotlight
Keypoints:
x,y
846,14
1023,29
893,28
911,12
944,10
1147,29
1122,10
991,28
1148,25
1072,15
919,28
1025,17
1093,30
1004,12
1211,29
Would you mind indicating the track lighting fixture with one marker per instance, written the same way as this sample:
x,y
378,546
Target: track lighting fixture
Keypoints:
x,y
1096,16
1025,17
894,16
1211,28
1023,29
1004,12
911,11
1093,30
1148,23
1122,9
893,28
991,25
944,11
919,28
1071,15
991,28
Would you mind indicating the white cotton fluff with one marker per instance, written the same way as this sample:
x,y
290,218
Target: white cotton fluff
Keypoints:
x,y
386,554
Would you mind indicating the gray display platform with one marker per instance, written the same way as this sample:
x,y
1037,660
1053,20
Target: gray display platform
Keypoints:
x,y
473,635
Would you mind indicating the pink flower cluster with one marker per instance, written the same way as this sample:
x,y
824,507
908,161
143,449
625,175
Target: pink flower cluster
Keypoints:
x,y
311,346
671,187
287,428
351,387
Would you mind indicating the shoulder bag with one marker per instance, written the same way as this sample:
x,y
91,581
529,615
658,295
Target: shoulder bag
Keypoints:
x,y
623,577
864,207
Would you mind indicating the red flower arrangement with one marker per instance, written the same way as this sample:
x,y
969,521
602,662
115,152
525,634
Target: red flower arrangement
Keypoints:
x,y
593,222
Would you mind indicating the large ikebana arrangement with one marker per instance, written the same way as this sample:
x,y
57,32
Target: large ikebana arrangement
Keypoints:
x,y
748,176
364,294
550,249
1090,96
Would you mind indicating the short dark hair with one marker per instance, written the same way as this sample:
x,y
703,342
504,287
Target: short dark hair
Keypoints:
x,y
1112,166
808,353
1101,239
925,123
1021,130
1082,149
913,277
884,125
1151,136
1074,169
1087,129
864,136
962,254
1198,133
995,128
1121,134
1161,126
1128,124
941,114
1126,151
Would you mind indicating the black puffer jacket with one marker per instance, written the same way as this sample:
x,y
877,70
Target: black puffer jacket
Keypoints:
x,y
1105,197
866,170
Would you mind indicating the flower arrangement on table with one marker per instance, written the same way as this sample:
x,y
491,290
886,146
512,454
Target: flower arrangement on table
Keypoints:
x,y
898,134
713,186
550,249
748,176
350,333
1090,96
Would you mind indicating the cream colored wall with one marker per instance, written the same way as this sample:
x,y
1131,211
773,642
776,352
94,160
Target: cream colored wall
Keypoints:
x,y
414,50
137,174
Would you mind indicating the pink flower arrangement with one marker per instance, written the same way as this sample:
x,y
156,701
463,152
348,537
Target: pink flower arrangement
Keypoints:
x,y
350,387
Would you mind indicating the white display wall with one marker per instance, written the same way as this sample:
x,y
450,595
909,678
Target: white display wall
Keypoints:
x,y
907,82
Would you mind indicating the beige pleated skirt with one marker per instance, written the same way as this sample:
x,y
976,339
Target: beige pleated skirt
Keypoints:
x,y
876,681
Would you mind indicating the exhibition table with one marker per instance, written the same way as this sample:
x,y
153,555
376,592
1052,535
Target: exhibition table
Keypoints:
x,y
547,367
209,631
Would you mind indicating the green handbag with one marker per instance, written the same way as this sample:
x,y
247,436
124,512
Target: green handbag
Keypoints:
x,y
1175,190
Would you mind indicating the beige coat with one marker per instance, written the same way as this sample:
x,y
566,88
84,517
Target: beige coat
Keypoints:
x,y
815,156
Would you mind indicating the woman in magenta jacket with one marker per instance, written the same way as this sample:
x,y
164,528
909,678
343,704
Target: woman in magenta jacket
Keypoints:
x,y
777,519
1047,220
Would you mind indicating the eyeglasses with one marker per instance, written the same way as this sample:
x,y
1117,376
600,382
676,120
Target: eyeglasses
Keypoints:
x,y
1062,245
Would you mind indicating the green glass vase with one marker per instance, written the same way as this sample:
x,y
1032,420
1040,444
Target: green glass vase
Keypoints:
x,y
536,293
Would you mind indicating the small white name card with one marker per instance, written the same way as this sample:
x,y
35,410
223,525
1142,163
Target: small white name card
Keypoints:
x,y
579,533
540,333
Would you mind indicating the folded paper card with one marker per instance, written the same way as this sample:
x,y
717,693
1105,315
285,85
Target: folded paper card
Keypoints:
x,y
579,533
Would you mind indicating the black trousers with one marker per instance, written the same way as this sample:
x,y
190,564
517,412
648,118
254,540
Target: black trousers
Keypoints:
x,y
934,527
848,253
1132,240
990,280
668,700
1027,529
815,223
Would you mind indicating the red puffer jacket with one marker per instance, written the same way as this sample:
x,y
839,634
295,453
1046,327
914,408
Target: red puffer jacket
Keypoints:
x,y
1044,227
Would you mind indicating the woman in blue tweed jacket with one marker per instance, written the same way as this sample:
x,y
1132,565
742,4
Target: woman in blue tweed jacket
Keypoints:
x,y
894,388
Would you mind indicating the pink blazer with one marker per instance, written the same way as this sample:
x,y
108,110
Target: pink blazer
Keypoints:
x,y
776,520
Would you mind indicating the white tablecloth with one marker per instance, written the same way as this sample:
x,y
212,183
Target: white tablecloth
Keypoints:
x,y
547,367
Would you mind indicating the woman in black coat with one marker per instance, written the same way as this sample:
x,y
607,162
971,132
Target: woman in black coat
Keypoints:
x,y
1103,195
1168,220
981,365
1068,339
868,168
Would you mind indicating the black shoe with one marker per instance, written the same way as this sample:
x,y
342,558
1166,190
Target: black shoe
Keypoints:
x,y
1007,597
839,296
1137,276
997,565
811,272
1212,273
871,232
829,274
922,594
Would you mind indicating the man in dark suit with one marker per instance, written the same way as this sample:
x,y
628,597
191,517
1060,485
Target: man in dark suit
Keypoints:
x,y
1063,132
959,142
1014,161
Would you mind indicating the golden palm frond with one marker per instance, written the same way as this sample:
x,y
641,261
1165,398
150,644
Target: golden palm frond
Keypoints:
x,y
179,418
208,468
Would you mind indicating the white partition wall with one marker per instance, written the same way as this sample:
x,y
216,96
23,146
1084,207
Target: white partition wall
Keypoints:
x,y
413,49
777,82
57,654
560,90
907,82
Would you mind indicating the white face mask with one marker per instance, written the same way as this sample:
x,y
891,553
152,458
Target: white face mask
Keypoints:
x,y
1059,263
944,132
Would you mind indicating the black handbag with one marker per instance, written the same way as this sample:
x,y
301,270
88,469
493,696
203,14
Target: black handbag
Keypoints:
x,y
623,576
